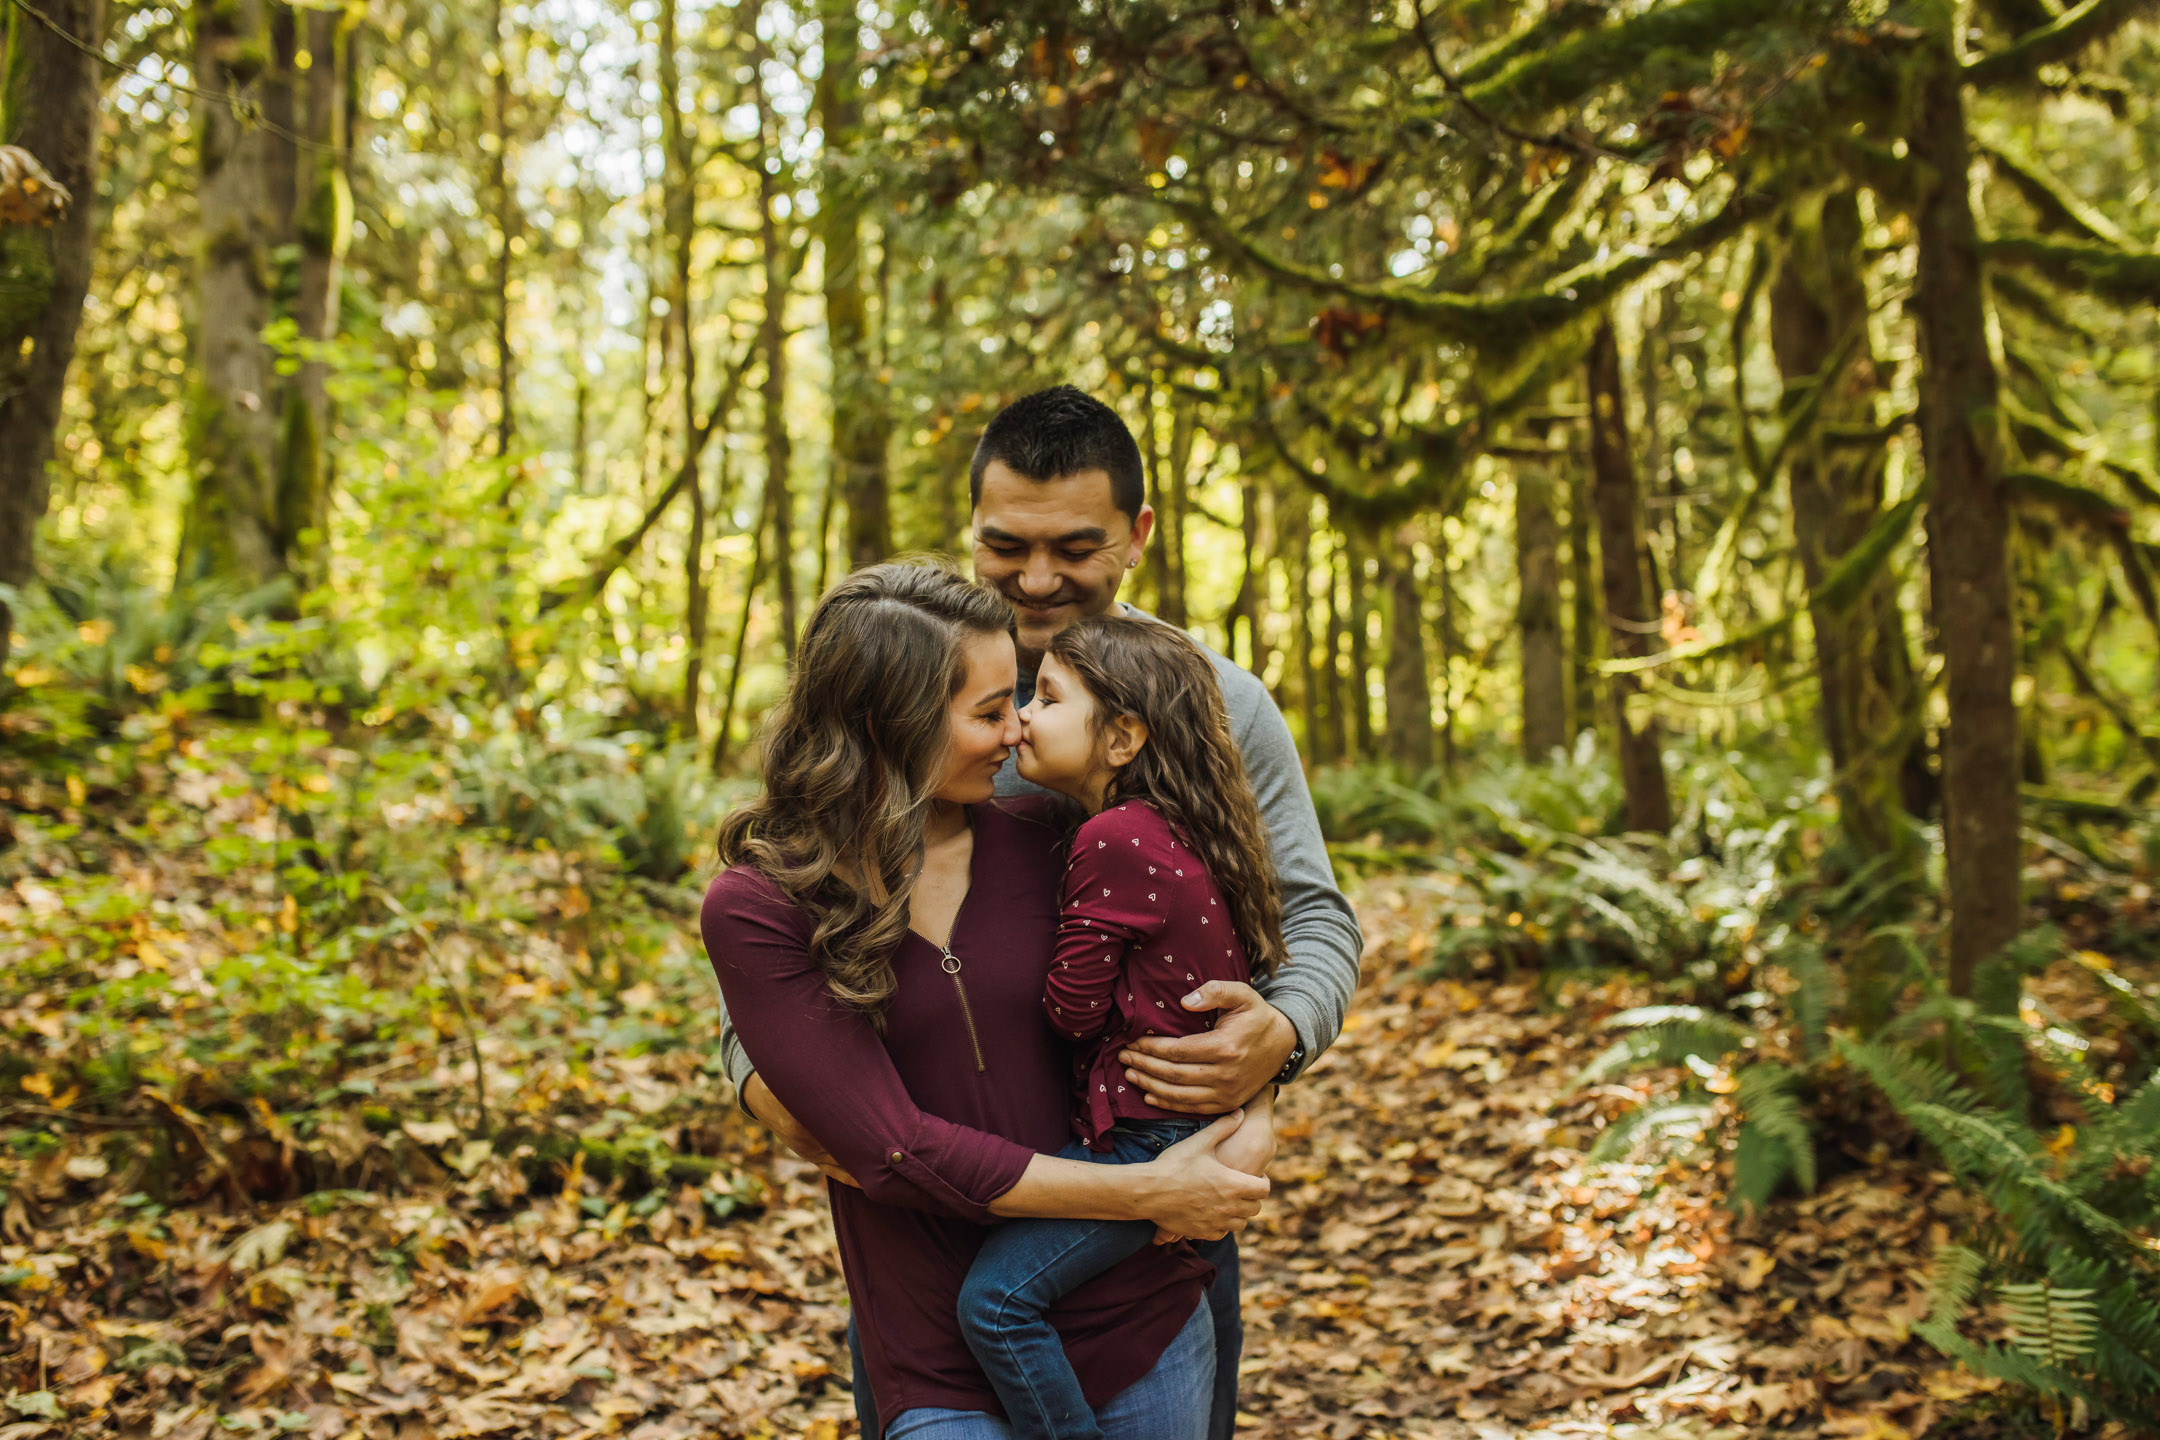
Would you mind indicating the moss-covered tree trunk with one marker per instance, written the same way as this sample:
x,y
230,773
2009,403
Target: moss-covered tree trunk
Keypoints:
x,y
861,424
1537,613
1870,706
231,528
1630,609
48,104
323,227
1406,682
1968,526
1585,629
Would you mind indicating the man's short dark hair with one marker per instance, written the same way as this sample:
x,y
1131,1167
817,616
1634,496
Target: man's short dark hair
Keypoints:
x,y
1059,432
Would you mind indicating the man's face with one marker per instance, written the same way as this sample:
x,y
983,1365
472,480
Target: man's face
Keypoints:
x,y
1057,549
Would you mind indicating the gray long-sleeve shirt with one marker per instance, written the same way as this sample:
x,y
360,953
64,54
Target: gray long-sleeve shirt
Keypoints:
x,y
1313,988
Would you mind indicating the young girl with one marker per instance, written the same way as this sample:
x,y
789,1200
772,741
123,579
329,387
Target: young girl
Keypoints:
x,y
1168,886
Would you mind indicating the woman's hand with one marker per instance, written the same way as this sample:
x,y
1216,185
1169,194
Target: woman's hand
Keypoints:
x,y
1253,1146
1189,1191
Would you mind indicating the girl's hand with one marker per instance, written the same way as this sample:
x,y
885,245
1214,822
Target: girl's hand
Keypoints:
x,y
1189,1191
1253,1146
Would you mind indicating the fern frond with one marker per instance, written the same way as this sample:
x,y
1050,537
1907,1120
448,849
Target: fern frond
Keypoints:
x,y
1906,1078
1663,1035
1980,1147
1658,1124
1952,1284
1765,1097
2051,1325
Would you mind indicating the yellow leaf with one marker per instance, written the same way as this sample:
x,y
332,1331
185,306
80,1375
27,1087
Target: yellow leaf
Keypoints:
x,y
289,915
2064,1139
77,791
38,1085
151,957
94,632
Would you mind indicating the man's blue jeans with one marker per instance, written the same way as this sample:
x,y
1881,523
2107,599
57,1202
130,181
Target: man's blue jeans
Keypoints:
x,y
1225,1318
1170,1402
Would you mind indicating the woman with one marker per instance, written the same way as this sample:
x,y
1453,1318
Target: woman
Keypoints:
x,y
881,937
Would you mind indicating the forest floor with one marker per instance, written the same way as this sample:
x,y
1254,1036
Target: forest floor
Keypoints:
x,y
1439,1260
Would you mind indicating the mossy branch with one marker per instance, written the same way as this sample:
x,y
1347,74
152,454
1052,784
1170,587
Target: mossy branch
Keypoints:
x,y
2067,37
1502,319
2110,272
1588,60
2057,207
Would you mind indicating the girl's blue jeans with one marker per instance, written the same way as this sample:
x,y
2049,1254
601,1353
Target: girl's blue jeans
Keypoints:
x,y
1026,1266
1170,1402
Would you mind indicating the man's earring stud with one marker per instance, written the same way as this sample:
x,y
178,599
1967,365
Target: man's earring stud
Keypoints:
x,y
1129,564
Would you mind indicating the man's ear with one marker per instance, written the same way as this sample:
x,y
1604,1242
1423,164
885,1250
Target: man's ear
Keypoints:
x,y
1126,736
1143,525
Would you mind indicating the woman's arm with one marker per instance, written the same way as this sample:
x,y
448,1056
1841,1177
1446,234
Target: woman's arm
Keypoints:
x,y
1187,1190
825,1063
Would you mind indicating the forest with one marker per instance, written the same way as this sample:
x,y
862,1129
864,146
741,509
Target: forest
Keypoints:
x,y
1687,470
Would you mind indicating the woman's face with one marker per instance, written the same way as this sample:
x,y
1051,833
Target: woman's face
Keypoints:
x,y
983,726
1059,748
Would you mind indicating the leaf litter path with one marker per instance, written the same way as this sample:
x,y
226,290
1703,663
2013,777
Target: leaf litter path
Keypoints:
x,y
1441,1263
1438,1264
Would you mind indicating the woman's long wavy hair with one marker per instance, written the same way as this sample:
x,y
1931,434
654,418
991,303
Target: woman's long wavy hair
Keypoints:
x,y
851,756
1190,769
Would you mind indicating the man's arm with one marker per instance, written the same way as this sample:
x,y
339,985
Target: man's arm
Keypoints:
x,y
1313,987
1303,1002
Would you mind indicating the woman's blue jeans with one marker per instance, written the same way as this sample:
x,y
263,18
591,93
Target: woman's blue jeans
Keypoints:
x,y
1170,1402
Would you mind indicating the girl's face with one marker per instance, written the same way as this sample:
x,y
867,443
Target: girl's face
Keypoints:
x,y
1060,749
983,726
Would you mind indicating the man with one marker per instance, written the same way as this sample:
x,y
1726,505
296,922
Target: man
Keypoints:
x,y
1060,518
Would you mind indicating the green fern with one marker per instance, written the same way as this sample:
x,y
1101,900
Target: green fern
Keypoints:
x,y
2052,1326
1663,1035
1775,1143
1662,1126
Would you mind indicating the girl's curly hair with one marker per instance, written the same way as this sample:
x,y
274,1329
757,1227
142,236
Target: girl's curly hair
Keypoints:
x,y
1190,770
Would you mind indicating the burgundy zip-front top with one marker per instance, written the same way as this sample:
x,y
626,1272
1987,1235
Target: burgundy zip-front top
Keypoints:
x,y
939,1116
1143,926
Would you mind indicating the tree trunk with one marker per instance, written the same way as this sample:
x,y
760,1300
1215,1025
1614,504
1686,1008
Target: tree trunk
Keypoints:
x,y
1870,706
323,227
1585,630
1294,521
1537,613
48,104
751,582
1334,732
1406,683
1631,610
862,428
505,234
1968,531
1171,503
1358,694
696,599
231,529
779,449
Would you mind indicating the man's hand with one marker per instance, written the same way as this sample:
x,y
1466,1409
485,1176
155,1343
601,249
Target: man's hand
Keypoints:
x,y
1215,1072
758,1099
